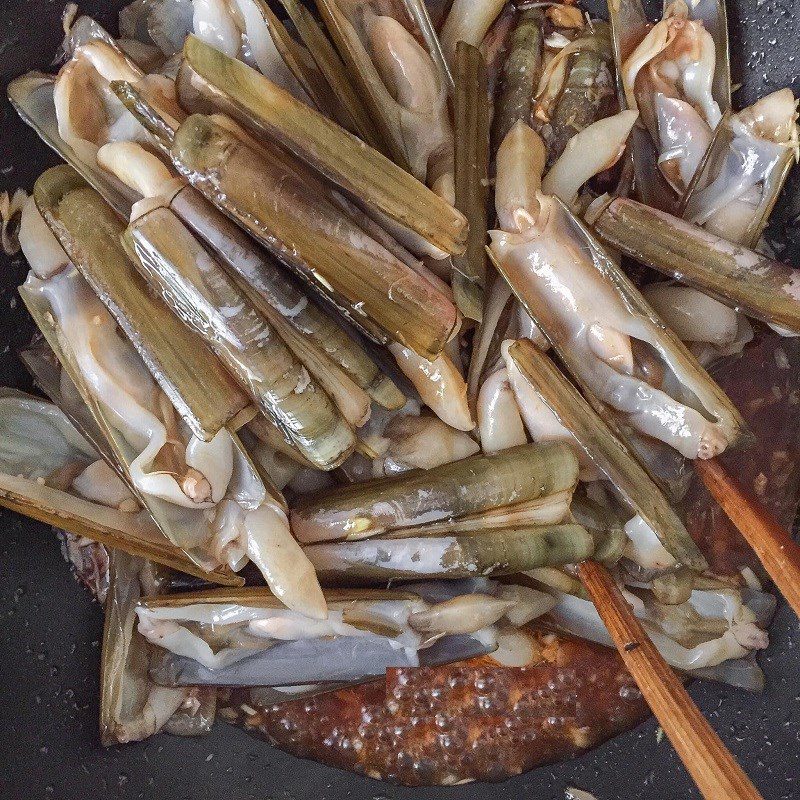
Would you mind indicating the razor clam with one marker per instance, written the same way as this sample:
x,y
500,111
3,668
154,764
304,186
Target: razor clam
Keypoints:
x,y
607,453
276,295
588,93
400,83
199,291
163,24
472,121
243,29
712,628
744,170
48,376
603,522
85,80
497,315
521,72
206,497
32,97
500,484
461,555
245,638
606,334
743,279
207,76
204,394
666,71
350,112
132,708
301,64
312,236
420,14
692,315
50,473
714,16
421,441
439,383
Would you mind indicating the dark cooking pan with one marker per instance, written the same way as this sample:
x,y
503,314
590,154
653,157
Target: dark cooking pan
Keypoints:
x,y
49,639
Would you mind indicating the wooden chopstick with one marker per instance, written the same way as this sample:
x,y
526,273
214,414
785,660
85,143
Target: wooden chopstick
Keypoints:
x,y
771,542
708,761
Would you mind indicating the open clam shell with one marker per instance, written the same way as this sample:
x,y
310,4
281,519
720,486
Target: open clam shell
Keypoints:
x,y
132,707
38,445
185,531
245,637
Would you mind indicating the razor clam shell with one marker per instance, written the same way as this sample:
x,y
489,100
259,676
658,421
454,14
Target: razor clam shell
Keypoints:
x,y
365,77
777,171
124,662
122,653
83,30
629,25
352,116
418,11
743,279
585,98
696,382
32,97
341,660
373,288
300,63
300,662
132,534
506,479
499,552
606,452
205,298
122,452
203,393
262,597
443,651
520,74
260,272
38,360
370,178
45,369
578,616
471,136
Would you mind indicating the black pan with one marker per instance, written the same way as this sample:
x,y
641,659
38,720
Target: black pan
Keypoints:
x,y
50,629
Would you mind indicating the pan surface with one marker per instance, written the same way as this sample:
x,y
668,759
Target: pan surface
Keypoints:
x,y
50,630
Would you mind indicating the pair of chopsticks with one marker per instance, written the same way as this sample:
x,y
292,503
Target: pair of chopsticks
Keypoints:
x,y
705,757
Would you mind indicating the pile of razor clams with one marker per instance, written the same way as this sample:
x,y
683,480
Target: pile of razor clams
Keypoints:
x,y
361,324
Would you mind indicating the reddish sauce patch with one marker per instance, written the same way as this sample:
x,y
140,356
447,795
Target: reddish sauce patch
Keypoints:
x,y
474,720
764,383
